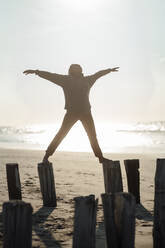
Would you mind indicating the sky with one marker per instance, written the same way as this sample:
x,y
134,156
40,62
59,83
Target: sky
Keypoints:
x,y
98,34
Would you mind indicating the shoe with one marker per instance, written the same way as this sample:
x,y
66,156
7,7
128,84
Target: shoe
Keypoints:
x,y
45,159
103,160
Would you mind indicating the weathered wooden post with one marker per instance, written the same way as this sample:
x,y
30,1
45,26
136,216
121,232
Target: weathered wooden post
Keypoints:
x,y
85,222
159,205
17,222
47,184
119,219
13,181
133,177
112,176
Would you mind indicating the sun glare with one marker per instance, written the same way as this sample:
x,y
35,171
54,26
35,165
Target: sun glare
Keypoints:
x,y
87,5
109,138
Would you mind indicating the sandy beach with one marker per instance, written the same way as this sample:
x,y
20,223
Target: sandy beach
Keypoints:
x,y
76,174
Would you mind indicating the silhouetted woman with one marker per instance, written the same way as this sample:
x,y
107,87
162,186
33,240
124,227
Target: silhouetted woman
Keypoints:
x,y
76,89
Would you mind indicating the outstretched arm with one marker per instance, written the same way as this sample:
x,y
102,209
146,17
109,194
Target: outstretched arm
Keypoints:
x,y
101,73
53,77
104,72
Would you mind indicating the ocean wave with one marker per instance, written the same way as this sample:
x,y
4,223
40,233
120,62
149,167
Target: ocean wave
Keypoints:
x,y
143,127
158,126
18,130
112,137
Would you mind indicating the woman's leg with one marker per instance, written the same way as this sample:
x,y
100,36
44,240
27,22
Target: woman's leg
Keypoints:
x,y
68,121
88,123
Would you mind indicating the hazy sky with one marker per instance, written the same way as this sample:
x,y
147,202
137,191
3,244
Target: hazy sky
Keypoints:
x,y
98,34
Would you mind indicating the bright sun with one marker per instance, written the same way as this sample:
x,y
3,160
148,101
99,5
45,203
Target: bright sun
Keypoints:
x,y
82,4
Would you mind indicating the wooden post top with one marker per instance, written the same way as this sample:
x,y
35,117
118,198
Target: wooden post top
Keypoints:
x,y
44,164
87,198
111,164
12,164
15,203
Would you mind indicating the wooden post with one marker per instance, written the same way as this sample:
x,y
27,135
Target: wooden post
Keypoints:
x,y
159,205
13,181
85,222
133,177
119,218
47,184
17,222
112,176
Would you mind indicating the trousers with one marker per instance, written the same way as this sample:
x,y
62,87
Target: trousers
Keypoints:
x,y
69,120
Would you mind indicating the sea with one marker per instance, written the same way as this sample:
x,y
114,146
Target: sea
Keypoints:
x,y
147,137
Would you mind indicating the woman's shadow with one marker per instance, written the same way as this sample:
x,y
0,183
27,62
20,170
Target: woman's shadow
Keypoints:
x,y
45,235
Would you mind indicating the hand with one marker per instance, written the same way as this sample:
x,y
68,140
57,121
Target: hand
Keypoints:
x,y
115,69
29,72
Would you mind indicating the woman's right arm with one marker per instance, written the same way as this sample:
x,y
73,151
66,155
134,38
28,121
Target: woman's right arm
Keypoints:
x,y
53,77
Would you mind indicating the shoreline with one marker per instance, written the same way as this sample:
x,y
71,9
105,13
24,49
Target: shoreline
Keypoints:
x,y
114,154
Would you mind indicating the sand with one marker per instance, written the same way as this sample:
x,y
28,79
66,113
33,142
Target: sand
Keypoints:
x,y
76,174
